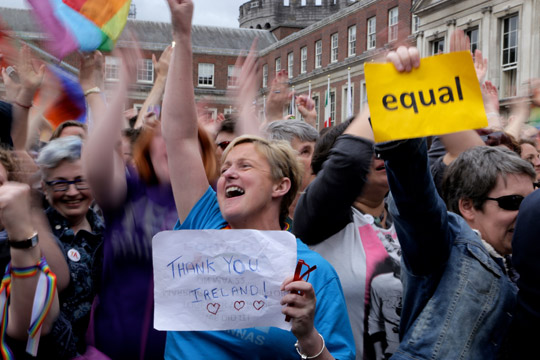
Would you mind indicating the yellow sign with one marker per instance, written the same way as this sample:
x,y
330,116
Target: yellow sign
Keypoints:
x,y
441,96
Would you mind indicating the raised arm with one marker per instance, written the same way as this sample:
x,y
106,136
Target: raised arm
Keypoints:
x,y
16,217
325,207
154,97
30,81
179,116
104,167
420,215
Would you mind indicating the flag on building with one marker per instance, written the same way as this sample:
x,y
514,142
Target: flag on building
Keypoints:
x,y
349,94
85,25
327,107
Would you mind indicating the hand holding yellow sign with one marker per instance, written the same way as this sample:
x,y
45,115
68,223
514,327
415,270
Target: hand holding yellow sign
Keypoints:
x,y
441,96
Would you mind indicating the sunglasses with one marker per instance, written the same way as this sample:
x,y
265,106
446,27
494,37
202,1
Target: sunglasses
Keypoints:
x,y
223,145
508,202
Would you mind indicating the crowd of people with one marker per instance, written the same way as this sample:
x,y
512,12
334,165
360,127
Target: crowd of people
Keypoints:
x,y
425,248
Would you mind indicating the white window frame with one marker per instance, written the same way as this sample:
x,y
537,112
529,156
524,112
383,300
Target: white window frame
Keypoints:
x,y
393,17
318,54
205,75
228,110
265,76
508,84
277,64
303,60
334,44
415,24
344,102
474,44
232,78
333,107
112,68
436,43
145,71
363,95
371,33
290,64
352,40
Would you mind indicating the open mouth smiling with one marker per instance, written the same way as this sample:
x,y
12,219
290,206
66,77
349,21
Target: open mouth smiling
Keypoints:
x,y
233,191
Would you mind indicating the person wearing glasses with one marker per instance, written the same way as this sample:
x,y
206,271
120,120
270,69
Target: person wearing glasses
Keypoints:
x,y
79,232
458,299
259,180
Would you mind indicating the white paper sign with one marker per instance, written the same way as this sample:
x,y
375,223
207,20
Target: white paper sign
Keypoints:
x,y
221,279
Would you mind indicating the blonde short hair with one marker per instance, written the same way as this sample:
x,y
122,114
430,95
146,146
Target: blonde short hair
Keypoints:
x,y
283,164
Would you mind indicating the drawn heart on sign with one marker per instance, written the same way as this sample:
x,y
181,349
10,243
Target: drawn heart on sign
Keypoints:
x,y
258,304
213,308
239,305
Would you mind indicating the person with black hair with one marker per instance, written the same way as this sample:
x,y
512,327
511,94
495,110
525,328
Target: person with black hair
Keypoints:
x,y
342,215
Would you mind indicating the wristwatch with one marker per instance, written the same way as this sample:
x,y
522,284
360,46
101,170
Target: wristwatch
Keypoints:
x,y
24,244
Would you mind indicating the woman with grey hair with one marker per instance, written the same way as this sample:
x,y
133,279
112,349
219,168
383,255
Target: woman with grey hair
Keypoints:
x,y
302,138
78,230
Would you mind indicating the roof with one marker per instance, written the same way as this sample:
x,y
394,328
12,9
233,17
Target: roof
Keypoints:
x,y
153,35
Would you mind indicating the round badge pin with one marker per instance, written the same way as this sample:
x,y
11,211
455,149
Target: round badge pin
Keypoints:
x,y
74,255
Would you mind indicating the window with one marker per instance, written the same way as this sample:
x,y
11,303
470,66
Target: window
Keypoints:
x,y
303,60
371,35
112,68
344,102
285,2
278,65
290,64
206,75
265,76
334,48
303,3
255,4
473,36
352,40
509,48
228,111
363,100
318,54
232,78
393,24
318,2
415,24
145,71
437,46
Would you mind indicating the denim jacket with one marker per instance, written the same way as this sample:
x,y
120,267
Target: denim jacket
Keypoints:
x,y
457,300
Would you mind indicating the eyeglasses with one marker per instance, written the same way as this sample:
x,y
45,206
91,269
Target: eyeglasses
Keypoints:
x,y
223,145
508,202
63,185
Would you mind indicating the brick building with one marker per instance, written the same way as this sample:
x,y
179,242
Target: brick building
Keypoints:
x,y
322,40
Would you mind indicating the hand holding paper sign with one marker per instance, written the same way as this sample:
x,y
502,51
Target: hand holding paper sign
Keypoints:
x,y
408,103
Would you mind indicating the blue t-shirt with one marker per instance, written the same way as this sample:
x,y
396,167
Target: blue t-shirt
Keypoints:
x,y
331,319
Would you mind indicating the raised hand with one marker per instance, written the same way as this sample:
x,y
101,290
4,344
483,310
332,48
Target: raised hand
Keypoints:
x,y
181,14
404,59
278,96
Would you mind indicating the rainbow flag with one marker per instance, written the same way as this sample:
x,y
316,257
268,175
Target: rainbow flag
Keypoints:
x,y
70,103
84,25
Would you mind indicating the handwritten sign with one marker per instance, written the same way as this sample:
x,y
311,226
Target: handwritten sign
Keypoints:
x,y
221,279
442,96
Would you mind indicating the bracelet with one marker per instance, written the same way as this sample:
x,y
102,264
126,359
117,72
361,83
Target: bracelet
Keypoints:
x,y
23,106
304,356
94,90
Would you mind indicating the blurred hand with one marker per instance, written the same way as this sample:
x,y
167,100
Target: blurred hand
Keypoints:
x,y
181,14
278,96
161,66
